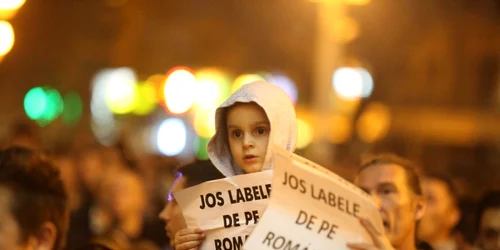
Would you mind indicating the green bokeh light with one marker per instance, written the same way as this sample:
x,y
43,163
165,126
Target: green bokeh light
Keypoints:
x,y
73,108
43,104
35,102
200,147
54,105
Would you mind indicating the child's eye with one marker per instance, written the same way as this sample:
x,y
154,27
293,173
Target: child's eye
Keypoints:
x,y
237,133
261,131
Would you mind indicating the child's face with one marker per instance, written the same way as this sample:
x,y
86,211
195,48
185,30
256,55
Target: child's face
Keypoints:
x,y
248,132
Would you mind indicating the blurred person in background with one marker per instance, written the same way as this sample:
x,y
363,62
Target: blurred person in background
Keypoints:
x,y
79,230
158,175
188,176
33,202
118,217
442,213
465,231
91,167
488,222
394,186
23,134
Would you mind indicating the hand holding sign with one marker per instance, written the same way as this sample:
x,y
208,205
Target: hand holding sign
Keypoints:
x,y
226,210
380,240
188,238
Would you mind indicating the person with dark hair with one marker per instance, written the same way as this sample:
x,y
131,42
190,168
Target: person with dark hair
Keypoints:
x,y
22,134
442,213
488,222
394,186
33,202
187,176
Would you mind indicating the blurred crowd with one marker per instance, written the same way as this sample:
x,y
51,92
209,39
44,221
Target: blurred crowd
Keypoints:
x,y
115,200
112,198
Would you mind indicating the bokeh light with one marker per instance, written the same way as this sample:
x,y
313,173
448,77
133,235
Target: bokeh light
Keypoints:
x,y
212,88
345,29
357,2
11,4
35,102
73,108
6,37
340,129
145,99
120,90
305,133
200,147
367,79
171,137
158,81
373,124
43,104
54,105
285,83
105,130
98,106
103,124
204,122
8,8
179,90
351,83
245,79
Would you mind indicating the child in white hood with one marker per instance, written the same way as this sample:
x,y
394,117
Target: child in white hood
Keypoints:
x,y
248,123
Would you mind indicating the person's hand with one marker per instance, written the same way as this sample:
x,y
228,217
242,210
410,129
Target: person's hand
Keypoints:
x,y
380,240
188,239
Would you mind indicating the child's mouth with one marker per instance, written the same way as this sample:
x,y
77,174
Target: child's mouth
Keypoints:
x,y
250,158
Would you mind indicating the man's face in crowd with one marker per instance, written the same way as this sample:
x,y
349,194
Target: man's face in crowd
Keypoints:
x,y
171,213
489,229
441,213
397,203
10,232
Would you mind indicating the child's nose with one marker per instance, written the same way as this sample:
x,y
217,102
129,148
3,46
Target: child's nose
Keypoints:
x,y
248,141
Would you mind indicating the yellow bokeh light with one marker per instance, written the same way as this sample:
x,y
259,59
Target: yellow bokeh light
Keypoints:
x,y
11,4
245,79
340,129
345,29
6,37
374,122
145,101
158,81
120,91
9,8
212,88
357,2
305,133
204,122
180,90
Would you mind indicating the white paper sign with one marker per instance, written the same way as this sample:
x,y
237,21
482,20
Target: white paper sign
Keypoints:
x,y
312,208
226,209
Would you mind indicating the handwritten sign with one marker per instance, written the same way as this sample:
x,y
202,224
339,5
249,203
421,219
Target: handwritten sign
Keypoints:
x,y
312,208
226,209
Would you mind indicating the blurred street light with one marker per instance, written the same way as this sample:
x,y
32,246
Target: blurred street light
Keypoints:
x,y
6,38
9,8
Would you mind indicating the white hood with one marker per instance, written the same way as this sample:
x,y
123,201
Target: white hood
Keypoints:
x,y
280,112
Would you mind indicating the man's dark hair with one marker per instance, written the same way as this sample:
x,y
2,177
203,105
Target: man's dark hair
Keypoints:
x,y
490,200
38,193
199,172
410,168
